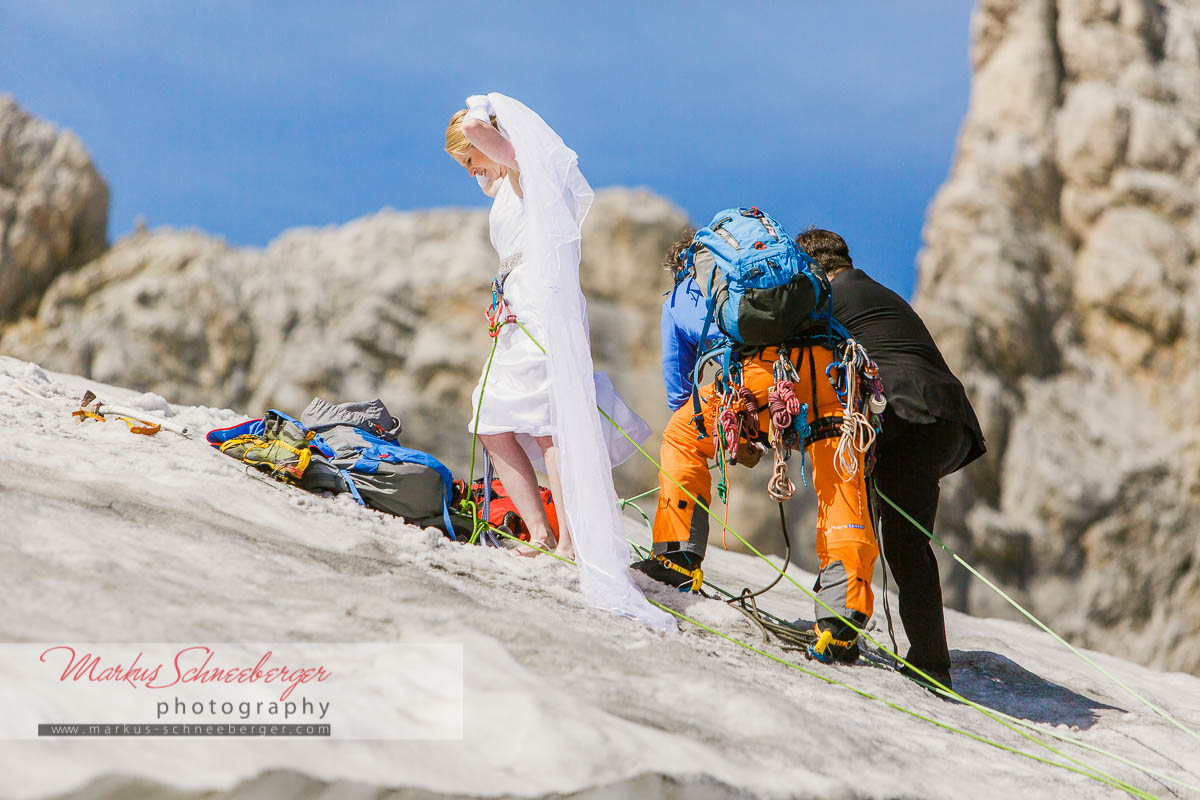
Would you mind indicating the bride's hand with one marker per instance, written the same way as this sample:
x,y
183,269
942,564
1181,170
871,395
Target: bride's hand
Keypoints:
x,y
480,108
488,187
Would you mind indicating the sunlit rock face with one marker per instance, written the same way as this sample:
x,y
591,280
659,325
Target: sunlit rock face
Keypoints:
x,y
1059,277
53,207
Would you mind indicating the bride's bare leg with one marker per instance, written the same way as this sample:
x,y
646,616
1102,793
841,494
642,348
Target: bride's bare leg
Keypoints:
x,y
566,548
516,473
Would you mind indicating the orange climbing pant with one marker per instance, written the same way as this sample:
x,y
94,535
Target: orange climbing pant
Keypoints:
x,y
846,544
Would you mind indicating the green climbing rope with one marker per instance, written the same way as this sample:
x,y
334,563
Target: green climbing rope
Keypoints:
x,y
1082,769
983,739
883,648
781,626
1028,615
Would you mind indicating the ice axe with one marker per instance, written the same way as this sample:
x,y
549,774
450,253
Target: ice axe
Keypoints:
x,y
100,410
84,412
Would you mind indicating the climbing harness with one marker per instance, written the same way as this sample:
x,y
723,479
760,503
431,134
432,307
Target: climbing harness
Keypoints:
x,y
499,313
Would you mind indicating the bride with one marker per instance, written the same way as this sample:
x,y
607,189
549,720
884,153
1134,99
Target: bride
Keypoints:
x,y
537,404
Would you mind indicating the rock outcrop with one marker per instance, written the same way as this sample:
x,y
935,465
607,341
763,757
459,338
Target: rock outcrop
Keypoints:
x,y
1059,276
389,305
53,208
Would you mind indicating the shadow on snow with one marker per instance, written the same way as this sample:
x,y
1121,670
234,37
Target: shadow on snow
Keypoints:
x,y
1002,684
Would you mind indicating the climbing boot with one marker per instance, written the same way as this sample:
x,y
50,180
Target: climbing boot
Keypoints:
x,y
836,643
678,570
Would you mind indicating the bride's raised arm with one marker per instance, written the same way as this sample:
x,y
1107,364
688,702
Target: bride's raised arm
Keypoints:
x,y
477,127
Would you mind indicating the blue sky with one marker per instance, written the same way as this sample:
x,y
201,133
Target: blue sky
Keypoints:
x,y
244,119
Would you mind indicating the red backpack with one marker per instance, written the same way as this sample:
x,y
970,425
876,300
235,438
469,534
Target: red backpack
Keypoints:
x,y
500,509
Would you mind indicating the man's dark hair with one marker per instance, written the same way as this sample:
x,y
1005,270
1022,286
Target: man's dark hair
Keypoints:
x,y
672,261
826,248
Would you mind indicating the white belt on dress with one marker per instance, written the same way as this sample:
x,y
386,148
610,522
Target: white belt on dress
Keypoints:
x,y
509,263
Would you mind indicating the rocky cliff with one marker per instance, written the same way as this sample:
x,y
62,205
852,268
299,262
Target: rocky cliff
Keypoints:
x,y
1059,276
53,207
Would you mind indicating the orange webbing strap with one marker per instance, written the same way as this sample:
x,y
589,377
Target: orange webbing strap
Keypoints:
x,y
135,425
141,426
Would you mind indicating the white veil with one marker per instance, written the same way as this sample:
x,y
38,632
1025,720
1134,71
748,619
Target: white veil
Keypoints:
x,y
557,198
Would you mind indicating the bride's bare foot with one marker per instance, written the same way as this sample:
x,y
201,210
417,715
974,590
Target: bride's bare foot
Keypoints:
x,y
546,545
566,547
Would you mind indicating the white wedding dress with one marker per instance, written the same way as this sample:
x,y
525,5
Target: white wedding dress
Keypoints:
x,y
556,392
516,396
517,392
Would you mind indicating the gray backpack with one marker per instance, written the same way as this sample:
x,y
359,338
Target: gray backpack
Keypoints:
x,y
362,457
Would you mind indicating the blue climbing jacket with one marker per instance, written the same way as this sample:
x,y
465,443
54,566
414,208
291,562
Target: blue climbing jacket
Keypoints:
x,y
682,322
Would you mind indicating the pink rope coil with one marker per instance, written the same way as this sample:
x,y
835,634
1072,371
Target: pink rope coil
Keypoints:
x,y
752,428
728,420
780,418
787,391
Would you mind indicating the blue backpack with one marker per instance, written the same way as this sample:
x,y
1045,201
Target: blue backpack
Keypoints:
x,y
345,457
761,289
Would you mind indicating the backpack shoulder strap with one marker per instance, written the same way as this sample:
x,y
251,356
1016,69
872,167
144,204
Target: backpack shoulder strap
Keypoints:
x,y
697,413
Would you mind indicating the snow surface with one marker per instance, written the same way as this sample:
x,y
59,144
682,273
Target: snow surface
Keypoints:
x,y
108,537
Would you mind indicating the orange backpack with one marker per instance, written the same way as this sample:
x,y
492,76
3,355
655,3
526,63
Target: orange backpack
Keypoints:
x,y
500,509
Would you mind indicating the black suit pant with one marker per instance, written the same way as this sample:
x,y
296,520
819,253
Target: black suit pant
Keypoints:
x,y
911,460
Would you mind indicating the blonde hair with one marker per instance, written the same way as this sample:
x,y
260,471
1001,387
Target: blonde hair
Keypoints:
x,y
457,143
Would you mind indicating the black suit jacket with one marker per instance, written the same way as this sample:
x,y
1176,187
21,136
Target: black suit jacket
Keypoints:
x,y
920,387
